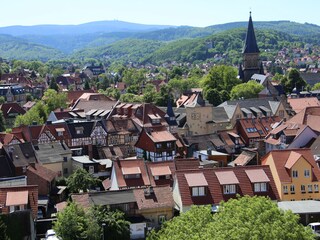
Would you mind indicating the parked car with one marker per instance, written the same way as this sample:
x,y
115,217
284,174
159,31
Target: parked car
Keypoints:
x,y
315,226
51,235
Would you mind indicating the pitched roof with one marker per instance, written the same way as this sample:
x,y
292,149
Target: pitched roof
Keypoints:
x,y
227,177
298,104
257,175
250,45
42,172
160,198
285,159
123,182
309,116
214,192
196,179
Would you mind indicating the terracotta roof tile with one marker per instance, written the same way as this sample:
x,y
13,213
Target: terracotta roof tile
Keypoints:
x,y
214,191
160,198
196,179
299,104
227,177
162,168
17,198
257,175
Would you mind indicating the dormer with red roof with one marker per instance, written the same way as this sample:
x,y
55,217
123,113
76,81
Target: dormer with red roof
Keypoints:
x,y
129,174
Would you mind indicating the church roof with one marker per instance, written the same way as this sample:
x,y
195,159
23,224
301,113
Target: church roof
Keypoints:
x,y
250,45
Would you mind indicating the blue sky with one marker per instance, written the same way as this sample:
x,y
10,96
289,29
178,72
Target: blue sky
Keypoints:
x,y
164,12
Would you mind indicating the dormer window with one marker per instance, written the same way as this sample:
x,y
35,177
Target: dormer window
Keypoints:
x,y
155,118
60,131
229,189
228,180
197,183
259,179
161,172
17,200
131,172
79,130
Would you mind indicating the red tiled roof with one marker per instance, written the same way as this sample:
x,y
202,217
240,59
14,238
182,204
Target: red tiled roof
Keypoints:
x,y
160,198
130,170
187,163
82,199
161,136
143,180
227,177
214,191
299,104
196,179
162,168
257,175
42,172
309,116
293,158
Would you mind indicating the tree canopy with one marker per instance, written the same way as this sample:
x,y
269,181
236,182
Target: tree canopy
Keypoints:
x,y
241,218
75,223
81,180
293,80
250,89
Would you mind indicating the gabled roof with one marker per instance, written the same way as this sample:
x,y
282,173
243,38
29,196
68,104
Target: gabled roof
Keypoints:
x,y
161,169
214,192
309,116
42,172
285,159
250,45
11,108
85,127
22,154
160,197
123,182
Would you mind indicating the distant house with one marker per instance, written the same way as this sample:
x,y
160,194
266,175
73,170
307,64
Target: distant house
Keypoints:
x,y
10,112
299,104
93,71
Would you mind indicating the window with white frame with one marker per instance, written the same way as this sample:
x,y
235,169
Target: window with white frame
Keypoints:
x,y
316,187
285,189
229,189
198,191
303,188
260,187
169,144
158,145
156,177
294,173
292,189
309,188
91,169
307,173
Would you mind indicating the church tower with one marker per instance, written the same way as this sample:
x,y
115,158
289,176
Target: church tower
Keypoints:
x,y
251,60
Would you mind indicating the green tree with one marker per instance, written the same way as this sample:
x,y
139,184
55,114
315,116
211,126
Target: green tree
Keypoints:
x,y
250,89
316,86
213,96
73,223
220,77
163,96
241,218
2,99
36,114
53,85
3,231
86,85
54,100
81,180
116,227
2,122
293,80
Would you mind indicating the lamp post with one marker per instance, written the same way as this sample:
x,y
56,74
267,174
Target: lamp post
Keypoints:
x,y
103,226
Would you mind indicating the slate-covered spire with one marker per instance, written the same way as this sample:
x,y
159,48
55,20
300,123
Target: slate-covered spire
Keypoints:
x,y
170,116
250,45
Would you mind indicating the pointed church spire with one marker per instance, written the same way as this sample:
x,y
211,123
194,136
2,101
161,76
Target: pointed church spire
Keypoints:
x,y
250,45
